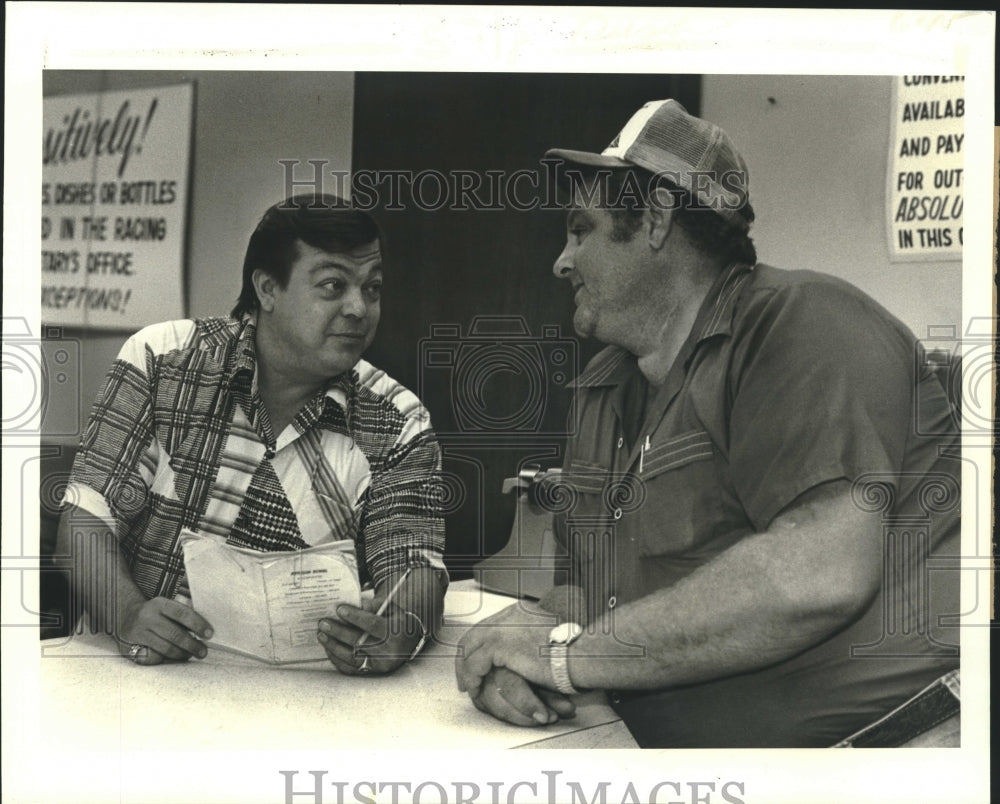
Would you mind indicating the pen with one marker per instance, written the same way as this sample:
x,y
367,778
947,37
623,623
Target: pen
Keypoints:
x,y
385,604
642,453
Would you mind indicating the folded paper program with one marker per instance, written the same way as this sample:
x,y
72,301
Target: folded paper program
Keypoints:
x,y
267,605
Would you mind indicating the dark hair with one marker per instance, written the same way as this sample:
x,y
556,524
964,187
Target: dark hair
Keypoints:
x,y
626,193
326,222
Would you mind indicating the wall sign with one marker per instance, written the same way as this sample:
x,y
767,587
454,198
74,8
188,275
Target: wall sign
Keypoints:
x,y
926,168
114,206
925,181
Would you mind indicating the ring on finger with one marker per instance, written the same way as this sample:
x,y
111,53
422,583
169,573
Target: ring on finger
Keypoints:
x,y
365,667
135,650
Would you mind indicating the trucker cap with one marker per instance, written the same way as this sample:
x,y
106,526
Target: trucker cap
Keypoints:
x,y
692,153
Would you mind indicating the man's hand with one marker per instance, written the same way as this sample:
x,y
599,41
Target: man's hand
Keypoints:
x,y
507,696
166,630
389,642
515,638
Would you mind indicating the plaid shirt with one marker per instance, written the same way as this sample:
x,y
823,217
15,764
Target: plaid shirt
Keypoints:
x,y
178,439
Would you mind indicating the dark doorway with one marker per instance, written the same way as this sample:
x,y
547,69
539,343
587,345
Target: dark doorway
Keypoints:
x,y
473,319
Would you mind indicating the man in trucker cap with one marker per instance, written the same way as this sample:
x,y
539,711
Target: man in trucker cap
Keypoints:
x,y
764,469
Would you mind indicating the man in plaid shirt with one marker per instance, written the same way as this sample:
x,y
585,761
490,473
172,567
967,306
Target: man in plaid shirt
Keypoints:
x,y
268,430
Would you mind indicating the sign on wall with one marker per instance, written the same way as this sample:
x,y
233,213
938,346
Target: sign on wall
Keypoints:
x,y
114,206
925,183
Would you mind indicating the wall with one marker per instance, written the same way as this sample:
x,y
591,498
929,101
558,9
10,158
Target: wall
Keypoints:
x,y
244,123
818,156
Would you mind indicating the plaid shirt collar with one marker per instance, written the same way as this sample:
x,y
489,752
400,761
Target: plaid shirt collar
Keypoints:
x,y
614,365
341,390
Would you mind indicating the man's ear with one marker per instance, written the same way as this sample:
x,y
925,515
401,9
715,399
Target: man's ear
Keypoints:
x,y
264,285
659,216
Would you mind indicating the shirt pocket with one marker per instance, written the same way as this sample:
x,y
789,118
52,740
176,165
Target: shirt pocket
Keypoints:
x,y
682,497
584,486
332,519
192,469
333,509
579,497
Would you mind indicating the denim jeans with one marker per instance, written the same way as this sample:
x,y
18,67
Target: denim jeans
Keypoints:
x,y
936,707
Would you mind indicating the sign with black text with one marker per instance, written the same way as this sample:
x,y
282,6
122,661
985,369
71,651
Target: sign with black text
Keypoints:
x,y
114,206
925,168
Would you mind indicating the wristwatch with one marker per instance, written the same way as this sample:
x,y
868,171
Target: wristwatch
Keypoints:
x,y
560,638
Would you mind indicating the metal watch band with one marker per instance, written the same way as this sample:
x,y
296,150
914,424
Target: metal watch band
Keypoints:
x,y
559,661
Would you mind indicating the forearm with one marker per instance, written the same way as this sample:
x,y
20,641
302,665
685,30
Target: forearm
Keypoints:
x,y
97,571
567,602
762,601
694,632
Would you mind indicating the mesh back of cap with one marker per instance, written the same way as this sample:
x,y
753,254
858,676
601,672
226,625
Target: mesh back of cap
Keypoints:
x,y
675,134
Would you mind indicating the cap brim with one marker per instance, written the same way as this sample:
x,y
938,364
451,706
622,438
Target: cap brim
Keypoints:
x,y
587,158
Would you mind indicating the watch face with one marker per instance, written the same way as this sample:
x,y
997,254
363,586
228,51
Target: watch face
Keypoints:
x,y
565,632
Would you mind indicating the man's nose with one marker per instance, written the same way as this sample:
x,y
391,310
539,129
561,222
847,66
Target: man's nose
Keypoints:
x,y
564,263
353,304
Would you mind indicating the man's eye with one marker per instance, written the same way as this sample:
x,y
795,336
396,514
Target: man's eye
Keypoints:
x,y
374,291
332,286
